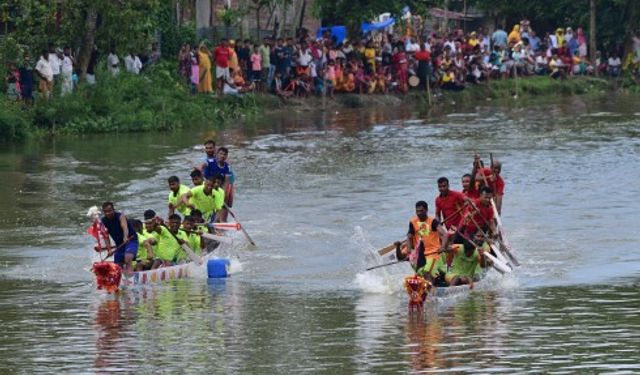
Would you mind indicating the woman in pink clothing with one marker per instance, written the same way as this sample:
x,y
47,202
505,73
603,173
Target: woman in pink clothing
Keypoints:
x,y
256,68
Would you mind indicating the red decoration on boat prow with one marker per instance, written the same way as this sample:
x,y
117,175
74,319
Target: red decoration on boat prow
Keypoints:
x,y
417,288
108,275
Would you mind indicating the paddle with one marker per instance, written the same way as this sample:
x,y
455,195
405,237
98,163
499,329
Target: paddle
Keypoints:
x,y
241,226
503,235
392,247
399,261
496,263
389,248
194,257
493,246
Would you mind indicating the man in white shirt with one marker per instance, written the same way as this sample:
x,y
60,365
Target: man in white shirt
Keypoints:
x,y
66,72
55,62
132,63
614,64
43,69
113,62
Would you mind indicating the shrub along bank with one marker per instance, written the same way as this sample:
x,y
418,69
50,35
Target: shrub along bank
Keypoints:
x,y
155,101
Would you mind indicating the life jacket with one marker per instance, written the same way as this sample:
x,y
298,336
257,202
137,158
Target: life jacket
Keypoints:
x,y
430,239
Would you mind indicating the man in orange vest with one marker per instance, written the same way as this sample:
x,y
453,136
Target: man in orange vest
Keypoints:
x,y
426,241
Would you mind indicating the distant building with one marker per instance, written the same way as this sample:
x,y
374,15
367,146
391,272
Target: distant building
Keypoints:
x,y
244,20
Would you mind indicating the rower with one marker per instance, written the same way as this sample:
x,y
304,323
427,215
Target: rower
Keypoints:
x,y
164,238
449,203
208,198
144,258
426,241
196,177
468,260
469,187
123,236
221,168
177,190
193,234
494,181
210,157
479,214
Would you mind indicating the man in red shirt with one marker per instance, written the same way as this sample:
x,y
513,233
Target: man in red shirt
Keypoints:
x,y
479,214
469,187
448,204
221,57
494,181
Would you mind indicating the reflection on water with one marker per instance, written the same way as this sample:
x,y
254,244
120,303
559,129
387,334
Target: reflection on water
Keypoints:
x,y
318,191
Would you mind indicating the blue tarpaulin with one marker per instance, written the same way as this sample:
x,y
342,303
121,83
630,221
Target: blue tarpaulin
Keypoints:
x,y
338,32
368,27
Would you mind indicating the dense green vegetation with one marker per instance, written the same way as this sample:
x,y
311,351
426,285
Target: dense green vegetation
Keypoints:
x,y
157,100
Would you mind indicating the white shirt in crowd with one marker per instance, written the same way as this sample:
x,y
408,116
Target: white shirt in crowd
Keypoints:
x,y
112,63
411,46
54,62
67,65
614,61
304,58
44,68
451,45
132,64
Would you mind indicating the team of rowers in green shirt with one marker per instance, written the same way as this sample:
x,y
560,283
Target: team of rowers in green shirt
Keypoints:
x,y
193,213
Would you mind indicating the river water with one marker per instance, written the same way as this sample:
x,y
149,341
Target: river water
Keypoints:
x,y
318,192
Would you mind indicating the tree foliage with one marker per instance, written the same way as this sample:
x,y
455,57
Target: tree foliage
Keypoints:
x,y
615,19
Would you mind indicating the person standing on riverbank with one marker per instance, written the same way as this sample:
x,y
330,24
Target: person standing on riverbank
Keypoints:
x,y
113,62
267,67
66,72
221,57
26,79
204,70
43,69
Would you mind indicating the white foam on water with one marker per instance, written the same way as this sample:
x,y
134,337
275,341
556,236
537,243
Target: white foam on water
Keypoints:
x,y
370,282
235,266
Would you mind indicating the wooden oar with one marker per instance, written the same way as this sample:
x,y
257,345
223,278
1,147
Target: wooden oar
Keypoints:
x,y
241,226
497,264
111,252
223,239
503,235
194,257
399,261
389,248
493,246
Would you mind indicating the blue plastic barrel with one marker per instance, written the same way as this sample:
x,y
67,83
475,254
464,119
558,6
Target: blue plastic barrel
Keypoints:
x,y
218,268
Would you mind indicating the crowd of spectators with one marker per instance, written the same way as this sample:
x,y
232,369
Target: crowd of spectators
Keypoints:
x,y
377,62
384,63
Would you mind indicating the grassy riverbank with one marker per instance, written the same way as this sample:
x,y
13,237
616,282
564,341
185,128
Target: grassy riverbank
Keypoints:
x,y
155,101
159,101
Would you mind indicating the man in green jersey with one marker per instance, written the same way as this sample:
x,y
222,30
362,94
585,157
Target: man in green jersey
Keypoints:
x,y
208,198
177,190
144,257
196,177
193,235
166,239
468,260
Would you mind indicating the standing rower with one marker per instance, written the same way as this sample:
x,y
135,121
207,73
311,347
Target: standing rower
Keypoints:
x,y
210,156
123,235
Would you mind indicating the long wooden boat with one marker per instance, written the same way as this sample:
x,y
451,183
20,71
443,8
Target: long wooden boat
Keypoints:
x,y
160,275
